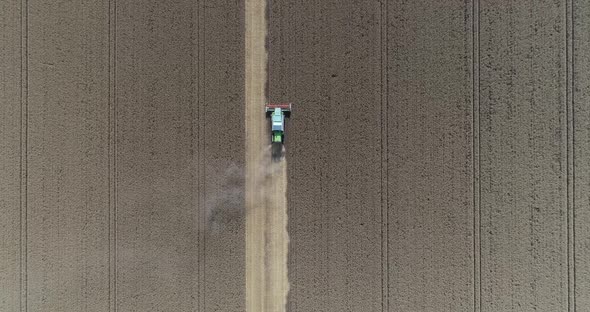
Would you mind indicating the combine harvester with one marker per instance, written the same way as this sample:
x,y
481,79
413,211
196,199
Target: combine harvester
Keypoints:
x,y
277,114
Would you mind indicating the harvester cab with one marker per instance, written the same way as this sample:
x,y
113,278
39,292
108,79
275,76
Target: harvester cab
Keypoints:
x,y
277,114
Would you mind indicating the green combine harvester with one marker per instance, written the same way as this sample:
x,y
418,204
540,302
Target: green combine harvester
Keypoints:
x,y
277,114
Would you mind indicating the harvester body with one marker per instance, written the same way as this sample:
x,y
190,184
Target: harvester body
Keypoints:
x,y
277,114
278,120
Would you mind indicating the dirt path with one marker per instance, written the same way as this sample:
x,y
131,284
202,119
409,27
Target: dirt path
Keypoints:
x,y
266,183
277,238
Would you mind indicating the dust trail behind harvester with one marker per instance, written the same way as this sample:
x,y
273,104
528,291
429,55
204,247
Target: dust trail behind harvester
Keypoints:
x,y
276,236
267,239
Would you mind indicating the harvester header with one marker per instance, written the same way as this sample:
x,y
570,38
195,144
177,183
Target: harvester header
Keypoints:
x,y
283,106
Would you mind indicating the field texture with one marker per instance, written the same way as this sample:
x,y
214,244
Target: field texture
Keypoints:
x,y
437,158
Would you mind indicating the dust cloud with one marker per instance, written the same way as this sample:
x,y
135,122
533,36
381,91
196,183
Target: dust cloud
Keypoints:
x,y
225,205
